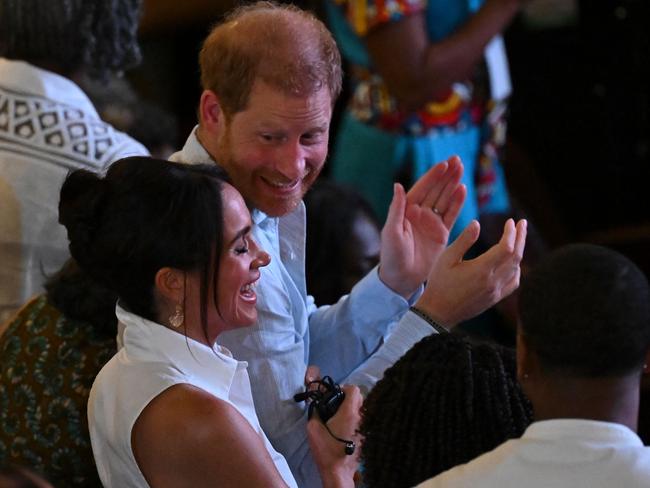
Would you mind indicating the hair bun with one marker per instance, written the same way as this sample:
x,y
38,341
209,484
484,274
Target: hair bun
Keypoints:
x,y
82,197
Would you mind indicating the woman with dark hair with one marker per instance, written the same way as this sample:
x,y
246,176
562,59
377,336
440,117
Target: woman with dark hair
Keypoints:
x,y
172,407
443,403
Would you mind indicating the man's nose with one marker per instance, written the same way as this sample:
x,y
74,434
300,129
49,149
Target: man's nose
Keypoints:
x,y
291,161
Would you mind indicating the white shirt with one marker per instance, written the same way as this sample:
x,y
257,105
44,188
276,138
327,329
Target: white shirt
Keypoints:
x,y
292,332
153,359
48,127
562,453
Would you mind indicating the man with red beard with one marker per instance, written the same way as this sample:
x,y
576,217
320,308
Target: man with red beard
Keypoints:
x,y
270,76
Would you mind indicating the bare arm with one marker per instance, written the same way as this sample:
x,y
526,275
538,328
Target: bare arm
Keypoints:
x,y
416,70
186,437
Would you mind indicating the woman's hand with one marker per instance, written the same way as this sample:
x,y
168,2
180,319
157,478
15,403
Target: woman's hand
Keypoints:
x,y
337,469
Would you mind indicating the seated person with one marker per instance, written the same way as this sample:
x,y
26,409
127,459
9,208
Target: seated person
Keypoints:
x,y
343,240
581,346
443,403
50,353
171,407
49,126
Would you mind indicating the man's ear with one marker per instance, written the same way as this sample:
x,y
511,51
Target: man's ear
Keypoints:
x,y
170,284
211,115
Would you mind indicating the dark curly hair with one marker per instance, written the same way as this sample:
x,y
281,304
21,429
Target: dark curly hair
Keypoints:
x,y
98,36
585,312
445,402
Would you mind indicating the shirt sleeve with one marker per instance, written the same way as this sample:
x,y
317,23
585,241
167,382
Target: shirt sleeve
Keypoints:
x,y
344,335
364,15
406,333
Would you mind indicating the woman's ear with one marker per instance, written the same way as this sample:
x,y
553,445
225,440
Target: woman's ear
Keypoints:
x,y
170,284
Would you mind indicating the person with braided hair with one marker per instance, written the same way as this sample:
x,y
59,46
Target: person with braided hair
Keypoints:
x,y
48,126
446,401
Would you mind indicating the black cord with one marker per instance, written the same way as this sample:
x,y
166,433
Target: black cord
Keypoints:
x,y
316,396
350,446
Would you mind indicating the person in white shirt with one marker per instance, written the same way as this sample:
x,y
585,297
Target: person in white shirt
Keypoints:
x,y
270,75
172,408
48,126
582,345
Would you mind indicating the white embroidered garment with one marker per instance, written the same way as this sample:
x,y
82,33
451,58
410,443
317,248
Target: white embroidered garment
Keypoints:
x,y
48,127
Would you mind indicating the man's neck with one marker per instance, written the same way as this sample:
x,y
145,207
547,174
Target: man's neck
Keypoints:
x,y
204,139
604,399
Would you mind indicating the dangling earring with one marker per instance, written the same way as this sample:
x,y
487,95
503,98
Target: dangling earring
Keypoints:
x,y
177,318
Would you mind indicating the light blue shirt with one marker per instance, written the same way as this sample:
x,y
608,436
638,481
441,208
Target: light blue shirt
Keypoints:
x,y
291,332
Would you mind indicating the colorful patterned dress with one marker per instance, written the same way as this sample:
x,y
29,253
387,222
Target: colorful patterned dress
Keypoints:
x,y
47,366
377,140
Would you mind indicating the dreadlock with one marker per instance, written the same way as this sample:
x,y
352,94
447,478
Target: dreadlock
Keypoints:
x,y
96,35
442,404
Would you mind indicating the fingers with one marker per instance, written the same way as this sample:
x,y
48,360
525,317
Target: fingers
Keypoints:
x,y
395,217
347,417
464,241
502,250
353,396
430,182
456,202
520,241
451,180
312,374
509,271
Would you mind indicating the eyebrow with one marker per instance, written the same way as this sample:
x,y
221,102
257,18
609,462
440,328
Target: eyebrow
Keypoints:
x,y
240,234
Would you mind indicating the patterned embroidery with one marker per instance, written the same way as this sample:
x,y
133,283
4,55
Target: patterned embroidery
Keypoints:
x,y
56,132
47,366
363,15
372,103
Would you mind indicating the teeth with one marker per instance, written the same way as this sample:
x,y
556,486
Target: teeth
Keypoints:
x,y
281,184
249,287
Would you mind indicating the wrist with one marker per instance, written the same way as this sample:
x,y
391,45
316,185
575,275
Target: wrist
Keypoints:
x,y
393,285
341,478
433,322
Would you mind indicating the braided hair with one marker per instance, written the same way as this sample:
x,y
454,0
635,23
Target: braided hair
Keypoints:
x,y
445,402
98,36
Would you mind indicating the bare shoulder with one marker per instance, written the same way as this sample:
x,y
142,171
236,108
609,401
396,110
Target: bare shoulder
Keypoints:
x,y
188,437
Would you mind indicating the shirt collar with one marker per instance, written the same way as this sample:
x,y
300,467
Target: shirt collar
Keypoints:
x,y
193,151
582,430
212,368
25,78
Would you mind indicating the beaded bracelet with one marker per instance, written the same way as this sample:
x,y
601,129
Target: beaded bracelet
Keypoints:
x,y
437,327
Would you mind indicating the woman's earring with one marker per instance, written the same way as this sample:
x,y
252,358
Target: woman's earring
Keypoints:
x,y
177,318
